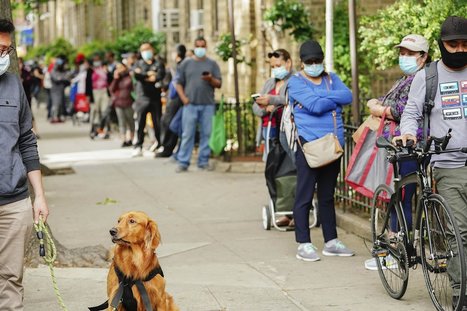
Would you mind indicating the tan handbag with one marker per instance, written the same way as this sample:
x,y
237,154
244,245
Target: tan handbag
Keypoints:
x,y
322,151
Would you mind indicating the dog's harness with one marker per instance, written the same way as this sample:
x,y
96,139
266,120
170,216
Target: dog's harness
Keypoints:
x,y
125,295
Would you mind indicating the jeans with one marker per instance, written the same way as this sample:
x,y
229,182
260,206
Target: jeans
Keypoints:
x,y
192,116
405,168
325,179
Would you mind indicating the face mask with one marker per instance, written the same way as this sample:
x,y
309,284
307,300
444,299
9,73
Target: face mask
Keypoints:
x,y
313,70
452,60
4,64
408,64
280,72
200,52
96,63
59,62
146,55
82,67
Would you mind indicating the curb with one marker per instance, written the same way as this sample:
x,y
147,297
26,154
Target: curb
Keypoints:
x,y
353,224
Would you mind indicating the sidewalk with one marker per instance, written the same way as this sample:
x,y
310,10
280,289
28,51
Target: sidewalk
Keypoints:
x,y
214,252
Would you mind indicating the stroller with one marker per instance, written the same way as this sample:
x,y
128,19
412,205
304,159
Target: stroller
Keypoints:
x,y
80,106
281,180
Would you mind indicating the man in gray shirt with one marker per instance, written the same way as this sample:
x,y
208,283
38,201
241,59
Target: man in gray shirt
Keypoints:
x,y
449,112
197,79
19,162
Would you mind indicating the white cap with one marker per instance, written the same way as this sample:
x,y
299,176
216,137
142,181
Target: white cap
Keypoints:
x,y
415,43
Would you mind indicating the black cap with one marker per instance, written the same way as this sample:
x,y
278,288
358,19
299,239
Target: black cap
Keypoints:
x,y
454,28
311,50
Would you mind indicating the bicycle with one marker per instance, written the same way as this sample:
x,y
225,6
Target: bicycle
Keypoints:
x,y
433,241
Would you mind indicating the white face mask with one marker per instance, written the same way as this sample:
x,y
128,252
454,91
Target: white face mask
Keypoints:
x,y
4,64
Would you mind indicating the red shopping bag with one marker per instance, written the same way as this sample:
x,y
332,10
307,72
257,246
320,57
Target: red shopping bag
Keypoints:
x,y
81,103
368,166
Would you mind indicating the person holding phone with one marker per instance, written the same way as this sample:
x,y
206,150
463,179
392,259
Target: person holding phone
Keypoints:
x,y
272,95
198,77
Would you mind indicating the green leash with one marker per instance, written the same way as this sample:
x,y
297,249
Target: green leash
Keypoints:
x,y
49,254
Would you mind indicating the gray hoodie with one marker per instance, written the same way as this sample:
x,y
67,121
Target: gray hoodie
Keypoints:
x,y
18,145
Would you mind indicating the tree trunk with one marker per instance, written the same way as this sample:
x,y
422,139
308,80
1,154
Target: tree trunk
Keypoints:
x,y
5,13
253,48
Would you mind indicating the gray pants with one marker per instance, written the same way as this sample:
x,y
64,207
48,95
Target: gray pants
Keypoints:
x,y
125,120
452,186
15,228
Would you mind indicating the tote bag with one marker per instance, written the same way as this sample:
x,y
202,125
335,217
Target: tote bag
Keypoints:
x,y
217,140
368,166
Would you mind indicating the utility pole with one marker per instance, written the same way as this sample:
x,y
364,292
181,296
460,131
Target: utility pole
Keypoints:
x,y
329,57
354,64
237,98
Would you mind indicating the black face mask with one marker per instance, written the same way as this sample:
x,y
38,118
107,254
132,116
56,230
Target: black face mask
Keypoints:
x,y
452,60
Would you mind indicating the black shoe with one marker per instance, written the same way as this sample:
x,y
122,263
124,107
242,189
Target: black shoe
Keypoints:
x,y
163,155
126,144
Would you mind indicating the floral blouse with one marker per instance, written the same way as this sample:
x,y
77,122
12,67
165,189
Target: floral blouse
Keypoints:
x,y
396,99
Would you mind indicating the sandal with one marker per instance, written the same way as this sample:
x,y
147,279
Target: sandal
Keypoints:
x,y
283,221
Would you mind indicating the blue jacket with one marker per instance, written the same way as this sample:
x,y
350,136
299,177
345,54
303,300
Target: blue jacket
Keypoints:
x,y
313,105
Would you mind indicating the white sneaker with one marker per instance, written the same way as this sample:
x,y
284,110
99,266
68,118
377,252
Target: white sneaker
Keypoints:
x,y
137,152
307,252
387,262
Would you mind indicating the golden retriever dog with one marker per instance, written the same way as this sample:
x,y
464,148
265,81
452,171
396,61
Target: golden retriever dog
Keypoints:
x,y
136,238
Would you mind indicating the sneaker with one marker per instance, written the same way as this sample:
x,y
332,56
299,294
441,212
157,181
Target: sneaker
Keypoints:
x,y
208,167
387,262
181,169
338,249
307,252
137,152
154,147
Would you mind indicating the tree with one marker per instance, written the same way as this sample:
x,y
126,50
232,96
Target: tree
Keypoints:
x,y
381,32
6,13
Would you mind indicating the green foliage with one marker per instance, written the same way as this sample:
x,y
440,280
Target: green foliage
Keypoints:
x,y
94,47
130,41
290,15
224,48
342,65
30,5
59,47
381,32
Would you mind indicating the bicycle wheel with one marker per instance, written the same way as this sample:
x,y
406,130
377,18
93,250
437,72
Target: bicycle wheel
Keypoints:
x,y
389,248
442,254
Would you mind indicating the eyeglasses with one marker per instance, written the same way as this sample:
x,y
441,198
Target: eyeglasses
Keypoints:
x,y
4,51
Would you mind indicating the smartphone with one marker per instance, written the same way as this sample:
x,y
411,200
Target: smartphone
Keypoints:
x,y
205,73
255,96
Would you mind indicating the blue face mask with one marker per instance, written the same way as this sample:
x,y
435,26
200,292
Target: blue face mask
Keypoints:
x,y
279,72
408,64
147,55
200,52
313,70
4,64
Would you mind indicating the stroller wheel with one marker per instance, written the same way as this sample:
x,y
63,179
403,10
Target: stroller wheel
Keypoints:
x,y
266,218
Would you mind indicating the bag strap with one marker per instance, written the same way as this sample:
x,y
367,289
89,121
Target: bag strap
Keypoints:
x,y
221,105
431,83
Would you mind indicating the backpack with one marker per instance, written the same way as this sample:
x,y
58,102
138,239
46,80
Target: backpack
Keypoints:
x,y
431,83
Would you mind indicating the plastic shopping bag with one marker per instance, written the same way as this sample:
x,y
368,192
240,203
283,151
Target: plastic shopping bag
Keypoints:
x,y
217,140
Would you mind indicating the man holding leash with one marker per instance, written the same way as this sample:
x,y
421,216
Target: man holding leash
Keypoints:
x,y
19,162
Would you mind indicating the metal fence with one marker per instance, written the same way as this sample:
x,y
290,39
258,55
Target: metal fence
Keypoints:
x,y
346,197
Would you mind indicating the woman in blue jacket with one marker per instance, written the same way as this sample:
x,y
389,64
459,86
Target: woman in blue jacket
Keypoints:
x,y
314,95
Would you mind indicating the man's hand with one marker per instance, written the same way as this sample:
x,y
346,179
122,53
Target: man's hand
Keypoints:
x,y
270,108
185,100
151,79
262,100
40,209
404,138
207,77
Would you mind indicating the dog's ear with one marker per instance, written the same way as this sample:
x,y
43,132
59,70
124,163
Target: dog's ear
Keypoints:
x,y
153,237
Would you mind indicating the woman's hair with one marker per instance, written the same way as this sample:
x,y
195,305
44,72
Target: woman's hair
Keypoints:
x,y
428,57
280,53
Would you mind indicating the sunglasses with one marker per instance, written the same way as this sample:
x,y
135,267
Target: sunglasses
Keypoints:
x,y
4,51
275,54
313,61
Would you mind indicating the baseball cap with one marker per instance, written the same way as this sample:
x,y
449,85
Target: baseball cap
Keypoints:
x,y
311,50
414,43
454,28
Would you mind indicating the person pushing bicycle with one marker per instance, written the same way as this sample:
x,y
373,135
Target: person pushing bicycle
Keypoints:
x,y
449,111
